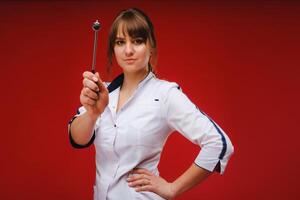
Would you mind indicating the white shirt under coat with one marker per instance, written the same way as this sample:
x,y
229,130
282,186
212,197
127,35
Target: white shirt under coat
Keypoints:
x,y
134,136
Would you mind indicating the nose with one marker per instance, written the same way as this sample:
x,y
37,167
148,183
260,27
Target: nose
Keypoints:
x,y
129,50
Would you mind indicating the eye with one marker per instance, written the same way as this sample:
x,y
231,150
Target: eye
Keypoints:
x,y
138,41
119,42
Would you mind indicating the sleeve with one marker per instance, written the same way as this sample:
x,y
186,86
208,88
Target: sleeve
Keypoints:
x,y
184,117
80,111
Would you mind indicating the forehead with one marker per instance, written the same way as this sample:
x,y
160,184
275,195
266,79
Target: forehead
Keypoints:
x,y
131,29
122,31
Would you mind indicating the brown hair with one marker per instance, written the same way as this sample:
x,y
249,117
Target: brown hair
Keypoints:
x,y
135,23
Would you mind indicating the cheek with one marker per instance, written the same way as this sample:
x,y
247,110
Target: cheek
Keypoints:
x,y
147,56
143,52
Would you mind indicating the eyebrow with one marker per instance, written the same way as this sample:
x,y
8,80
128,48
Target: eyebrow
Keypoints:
x,y
123,38
120,38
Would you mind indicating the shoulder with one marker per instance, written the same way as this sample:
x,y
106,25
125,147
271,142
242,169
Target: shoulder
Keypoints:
x,y
165,85
164,88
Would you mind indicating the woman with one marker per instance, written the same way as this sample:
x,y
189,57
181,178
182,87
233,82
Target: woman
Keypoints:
x,y
130,119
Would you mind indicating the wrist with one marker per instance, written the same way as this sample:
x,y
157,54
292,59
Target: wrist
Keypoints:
x,y
173,190
92,117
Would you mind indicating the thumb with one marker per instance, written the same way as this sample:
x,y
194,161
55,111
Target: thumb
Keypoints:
x,y
100,82
97,74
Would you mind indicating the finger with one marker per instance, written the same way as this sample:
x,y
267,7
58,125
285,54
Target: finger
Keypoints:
x,y
85,100
139,182
100,83
90,84
144,188
89,75
138,177
89,102
90,93
141,171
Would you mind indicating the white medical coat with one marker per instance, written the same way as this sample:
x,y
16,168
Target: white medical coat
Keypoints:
x,y
134,136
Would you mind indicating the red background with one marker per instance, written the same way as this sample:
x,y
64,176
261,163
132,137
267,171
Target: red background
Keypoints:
x,y
239,62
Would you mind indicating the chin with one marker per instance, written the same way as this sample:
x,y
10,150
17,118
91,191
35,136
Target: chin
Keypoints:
x,y
132,68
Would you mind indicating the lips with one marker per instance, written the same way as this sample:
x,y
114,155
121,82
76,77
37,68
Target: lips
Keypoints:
x,y
130,60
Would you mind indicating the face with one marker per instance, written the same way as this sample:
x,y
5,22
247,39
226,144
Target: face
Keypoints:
x,y
132,54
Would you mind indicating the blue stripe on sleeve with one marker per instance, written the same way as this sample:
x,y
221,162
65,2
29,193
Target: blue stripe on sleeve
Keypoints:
x,y
221,156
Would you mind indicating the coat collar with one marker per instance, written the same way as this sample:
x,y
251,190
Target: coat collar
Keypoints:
x,y
118,81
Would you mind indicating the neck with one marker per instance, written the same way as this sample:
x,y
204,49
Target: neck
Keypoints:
x,y
131,80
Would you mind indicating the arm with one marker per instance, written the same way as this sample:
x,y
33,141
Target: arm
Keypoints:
x,y
216,148
190,178
185,117
82,127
